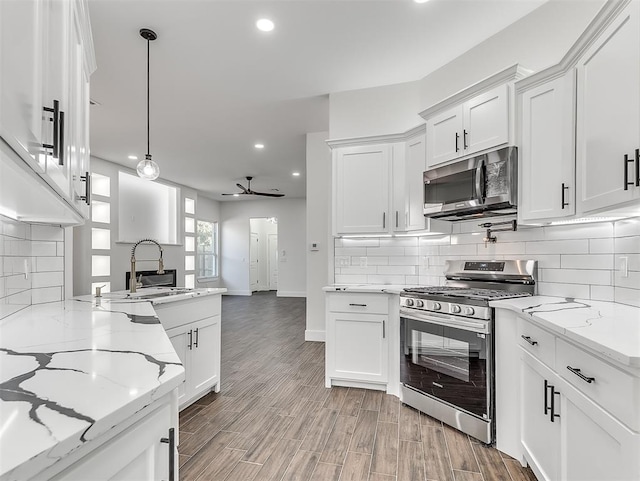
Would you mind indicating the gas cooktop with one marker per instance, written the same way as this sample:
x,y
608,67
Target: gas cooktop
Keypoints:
x,y
460,292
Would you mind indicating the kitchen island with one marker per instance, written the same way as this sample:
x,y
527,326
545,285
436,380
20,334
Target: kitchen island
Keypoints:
x,y
84,377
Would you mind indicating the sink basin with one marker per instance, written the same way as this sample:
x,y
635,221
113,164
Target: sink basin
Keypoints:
x,y
152,292
155,295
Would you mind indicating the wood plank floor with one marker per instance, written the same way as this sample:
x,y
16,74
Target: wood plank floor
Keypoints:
x,y
274,419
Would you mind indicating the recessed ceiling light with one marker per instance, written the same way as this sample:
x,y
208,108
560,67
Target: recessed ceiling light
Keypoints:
x,y
265,25
421,1
133,157
296,174
259,146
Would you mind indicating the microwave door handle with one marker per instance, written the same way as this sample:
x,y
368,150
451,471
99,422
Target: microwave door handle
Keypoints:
x,y
480,181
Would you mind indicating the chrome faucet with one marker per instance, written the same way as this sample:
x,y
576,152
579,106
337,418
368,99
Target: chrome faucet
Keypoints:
x,y
132,279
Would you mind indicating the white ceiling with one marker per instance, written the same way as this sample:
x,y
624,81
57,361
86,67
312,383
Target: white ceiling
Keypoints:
x,y
218,85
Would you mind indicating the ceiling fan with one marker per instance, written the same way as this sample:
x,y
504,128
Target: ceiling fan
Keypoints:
x,y
247,190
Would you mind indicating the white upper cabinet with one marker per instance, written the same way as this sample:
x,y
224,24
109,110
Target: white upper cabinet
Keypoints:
x,y
361,179
546,161
46,55
413,188
474,120
608,114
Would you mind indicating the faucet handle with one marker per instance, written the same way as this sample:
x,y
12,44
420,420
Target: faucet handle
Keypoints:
x,y
99,291
139,281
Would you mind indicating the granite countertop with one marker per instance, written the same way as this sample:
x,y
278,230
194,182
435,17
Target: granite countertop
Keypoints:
x,y
610,329
72,370
371,288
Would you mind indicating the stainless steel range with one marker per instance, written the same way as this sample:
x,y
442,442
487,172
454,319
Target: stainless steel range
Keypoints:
x,y
447,345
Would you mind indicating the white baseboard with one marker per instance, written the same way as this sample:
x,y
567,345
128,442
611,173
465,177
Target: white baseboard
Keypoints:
x,y
237,293
291,294
318,336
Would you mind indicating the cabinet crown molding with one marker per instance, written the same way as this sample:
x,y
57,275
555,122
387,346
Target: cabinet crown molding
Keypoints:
x,y
512,73
377,139
595,28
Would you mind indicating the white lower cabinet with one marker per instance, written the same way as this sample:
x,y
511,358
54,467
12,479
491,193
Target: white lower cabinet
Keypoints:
x,y
193,327
357,350
140,452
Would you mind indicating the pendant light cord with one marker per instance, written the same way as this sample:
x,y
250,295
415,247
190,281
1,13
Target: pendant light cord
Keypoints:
x,y
148,75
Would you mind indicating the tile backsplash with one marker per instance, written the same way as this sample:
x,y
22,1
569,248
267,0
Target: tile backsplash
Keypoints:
x,y
31,265
580,260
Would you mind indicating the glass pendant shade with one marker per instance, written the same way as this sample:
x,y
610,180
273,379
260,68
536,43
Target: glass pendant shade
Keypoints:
x,y
148,169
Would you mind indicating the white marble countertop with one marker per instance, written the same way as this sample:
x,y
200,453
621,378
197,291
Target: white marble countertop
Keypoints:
x,y
160,295
610,329
372,288
70,371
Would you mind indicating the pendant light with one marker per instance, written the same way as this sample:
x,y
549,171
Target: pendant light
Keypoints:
x,y
147,168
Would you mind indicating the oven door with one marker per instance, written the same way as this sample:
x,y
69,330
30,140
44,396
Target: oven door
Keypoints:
x,y
448,358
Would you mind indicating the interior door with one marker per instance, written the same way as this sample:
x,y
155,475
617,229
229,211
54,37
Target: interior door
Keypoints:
x,y
253,262
272,247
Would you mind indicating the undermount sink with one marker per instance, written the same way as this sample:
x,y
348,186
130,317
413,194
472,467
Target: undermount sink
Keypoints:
x,y
155,292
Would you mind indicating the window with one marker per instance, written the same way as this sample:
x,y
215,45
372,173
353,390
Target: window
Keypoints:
x,y
207,235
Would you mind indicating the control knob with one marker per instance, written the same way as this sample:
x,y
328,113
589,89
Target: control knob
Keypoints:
x,y
409,302
419,303
469,311
455,308
436,306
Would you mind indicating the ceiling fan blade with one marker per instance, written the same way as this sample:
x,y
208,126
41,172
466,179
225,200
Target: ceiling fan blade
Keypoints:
x,y
266,194
242,188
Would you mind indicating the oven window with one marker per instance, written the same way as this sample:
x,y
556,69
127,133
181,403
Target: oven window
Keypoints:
x,y
447,363
450,189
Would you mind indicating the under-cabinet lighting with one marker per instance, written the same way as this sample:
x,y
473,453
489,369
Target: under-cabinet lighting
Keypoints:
x,y
585,220
364,236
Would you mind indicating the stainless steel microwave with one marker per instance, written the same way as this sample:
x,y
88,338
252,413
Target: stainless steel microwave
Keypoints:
x,y
485,185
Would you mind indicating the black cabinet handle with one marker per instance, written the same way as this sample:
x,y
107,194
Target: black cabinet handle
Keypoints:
x,y
546,400
637,167
577,372
552,408
87,193
55,146
464,139
61,143
195,343
627,161
384,220
358,305
190,345
396,219
384,330
171,440
564,187
457,138
528,339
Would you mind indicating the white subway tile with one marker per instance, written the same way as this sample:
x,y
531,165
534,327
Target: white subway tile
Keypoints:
x,y
579,291
362,242
576,276
600,230
44,264
627,296
385,251
386,279
431,281
17,248
341,261
378,261
403,261
458,250
44,248
587,261
602,293
399,242
412,280
397,270
633,261
350,279
60,249
351,251
358,270
411,251
46,294
503,248
601,246
47,279
17,282
435,240
627,227
429,250
573,246
547,261
14,229
16,265
627,245
47,233
632,281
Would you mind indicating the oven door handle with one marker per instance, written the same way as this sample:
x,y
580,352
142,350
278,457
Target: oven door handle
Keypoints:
x,y
455,322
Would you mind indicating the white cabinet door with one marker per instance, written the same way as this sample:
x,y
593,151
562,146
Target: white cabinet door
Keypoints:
x,y
595,445
362,177
357,347
444,136
179,338
21,75
204,365
486,120
608,114
540,436
546,165
138,453
413,188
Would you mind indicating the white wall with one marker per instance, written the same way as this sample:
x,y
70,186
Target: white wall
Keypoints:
x,y
536,41
234,229
318,230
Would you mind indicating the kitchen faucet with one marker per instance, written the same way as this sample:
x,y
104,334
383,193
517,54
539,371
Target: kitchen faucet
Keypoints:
x,y
132,280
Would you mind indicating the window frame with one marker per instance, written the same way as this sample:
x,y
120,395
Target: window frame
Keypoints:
x,y
216,251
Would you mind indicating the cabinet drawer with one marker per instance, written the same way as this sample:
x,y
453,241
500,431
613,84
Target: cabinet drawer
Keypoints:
x,y
357,302
614,390
537,341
